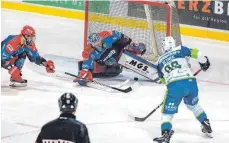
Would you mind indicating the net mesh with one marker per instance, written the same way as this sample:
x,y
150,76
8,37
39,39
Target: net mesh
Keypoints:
x,y
129,17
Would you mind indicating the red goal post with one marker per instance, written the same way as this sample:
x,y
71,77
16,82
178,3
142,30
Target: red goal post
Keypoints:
x,y
143,21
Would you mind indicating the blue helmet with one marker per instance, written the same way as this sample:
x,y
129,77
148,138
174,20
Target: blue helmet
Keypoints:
x,y
95,40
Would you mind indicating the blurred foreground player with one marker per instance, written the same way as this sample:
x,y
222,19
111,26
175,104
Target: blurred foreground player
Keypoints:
x,y
65,129
173,70
102,54
15,49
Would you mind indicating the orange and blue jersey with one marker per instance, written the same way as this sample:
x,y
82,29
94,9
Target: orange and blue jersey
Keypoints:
x,y
105,54
14,46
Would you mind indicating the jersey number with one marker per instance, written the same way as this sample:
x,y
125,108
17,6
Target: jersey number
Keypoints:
x,y
172,66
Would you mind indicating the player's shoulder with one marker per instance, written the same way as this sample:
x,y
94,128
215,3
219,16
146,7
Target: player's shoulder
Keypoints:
x,y
15,39
13,43
32,46
105,34
171,52
10,37
49,124
78,123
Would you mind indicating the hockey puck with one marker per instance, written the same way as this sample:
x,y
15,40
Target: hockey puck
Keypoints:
x,y
136,79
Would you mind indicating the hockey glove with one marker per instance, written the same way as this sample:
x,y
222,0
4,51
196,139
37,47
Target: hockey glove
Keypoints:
x,y
137,49
15,74
84,76
206,65
49,66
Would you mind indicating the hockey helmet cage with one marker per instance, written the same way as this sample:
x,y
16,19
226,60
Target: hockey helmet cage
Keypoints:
x,y
167,44
29,34
95,40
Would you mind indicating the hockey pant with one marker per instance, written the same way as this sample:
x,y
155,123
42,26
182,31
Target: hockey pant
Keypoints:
x,y
16,61
103,71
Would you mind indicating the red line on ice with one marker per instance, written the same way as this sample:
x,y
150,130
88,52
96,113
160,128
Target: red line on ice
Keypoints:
x,y
214,82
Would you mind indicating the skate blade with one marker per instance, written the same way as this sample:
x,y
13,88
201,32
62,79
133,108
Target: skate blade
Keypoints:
x,y
17,84
159,141
209,135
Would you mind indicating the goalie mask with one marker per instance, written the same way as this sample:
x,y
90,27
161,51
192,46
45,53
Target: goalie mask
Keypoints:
x,y
95,40
167,44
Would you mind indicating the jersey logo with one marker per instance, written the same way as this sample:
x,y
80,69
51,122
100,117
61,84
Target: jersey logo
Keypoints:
x,y
138,65
9,48
112,52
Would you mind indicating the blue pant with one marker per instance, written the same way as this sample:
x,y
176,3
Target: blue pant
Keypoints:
x,y
17,61
176,91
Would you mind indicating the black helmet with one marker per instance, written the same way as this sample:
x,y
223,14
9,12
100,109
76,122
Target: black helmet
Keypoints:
x,y
68,103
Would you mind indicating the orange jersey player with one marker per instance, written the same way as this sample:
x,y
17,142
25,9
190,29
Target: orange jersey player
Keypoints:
x,y
102,54
15,49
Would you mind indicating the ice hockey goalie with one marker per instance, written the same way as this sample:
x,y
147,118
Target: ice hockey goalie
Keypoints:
x,y
102,54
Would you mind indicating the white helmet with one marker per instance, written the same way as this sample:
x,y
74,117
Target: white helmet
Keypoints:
x,y
167,44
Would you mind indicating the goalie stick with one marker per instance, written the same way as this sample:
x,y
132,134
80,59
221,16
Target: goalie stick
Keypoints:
x,y
139,119
104,85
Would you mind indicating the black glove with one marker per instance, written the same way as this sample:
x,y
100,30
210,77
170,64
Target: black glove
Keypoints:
x,y
206,65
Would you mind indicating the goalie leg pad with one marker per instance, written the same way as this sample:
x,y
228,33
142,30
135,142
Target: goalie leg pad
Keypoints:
x,y
139,65
103,71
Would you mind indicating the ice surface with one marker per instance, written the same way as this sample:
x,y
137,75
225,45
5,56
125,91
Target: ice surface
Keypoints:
x,y
25,110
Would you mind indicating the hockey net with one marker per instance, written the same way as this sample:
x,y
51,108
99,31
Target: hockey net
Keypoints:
x,y
143,21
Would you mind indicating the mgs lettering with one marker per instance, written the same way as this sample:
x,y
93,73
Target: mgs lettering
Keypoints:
x,y
138,65
133,62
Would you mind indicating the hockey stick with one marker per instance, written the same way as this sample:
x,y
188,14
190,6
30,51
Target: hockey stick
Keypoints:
x,y
197,72
139,119
101,84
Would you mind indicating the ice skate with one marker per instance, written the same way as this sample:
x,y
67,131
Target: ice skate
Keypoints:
x,y
206,128
165,137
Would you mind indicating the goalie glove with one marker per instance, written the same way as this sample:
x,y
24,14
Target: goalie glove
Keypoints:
x,y
206,65
84,76
137,49
49,66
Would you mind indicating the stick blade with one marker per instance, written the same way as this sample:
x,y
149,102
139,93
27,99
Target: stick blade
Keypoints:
x,y
123,90
139,119
129,89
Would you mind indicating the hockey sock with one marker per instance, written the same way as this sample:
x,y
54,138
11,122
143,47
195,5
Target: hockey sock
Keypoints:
x,y
198,112
166,122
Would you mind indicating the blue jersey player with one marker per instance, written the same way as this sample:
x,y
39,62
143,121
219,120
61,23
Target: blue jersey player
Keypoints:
x,y
173,70
15,49
102,54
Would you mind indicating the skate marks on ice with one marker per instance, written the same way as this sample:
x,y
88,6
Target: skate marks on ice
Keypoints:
x,y
70,65
32,85
18,130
